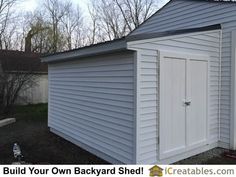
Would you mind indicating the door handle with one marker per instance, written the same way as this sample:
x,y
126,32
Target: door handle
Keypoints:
x,y
187,103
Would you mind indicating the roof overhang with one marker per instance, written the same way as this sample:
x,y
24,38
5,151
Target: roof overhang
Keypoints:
x,y
118,44
171,33
97,49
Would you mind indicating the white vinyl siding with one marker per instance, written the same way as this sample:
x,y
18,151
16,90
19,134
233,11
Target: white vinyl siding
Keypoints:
x,y
92,101
182,14
148,107
205,43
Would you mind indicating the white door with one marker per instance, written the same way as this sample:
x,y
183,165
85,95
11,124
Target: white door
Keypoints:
x,y
183,103
196,113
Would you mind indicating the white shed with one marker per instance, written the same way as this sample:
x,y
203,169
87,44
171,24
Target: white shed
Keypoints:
x,y
156,96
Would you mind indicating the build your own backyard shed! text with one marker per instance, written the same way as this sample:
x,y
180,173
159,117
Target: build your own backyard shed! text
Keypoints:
x,y
71,171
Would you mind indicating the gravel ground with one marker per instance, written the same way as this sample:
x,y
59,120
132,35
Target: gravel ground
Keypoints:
x,y
214,156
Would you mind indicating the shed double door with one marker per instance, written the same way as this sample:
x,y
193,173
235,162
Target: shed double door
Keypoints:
x,y
183,103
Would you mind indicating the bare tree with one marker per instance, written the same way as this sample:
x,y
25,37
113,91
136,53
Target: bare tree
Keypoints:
x,y
58,25
5,13
54,26
21,77
116,18
106,19
12,35
135,12
72,24
8,38
56,10
39,34
95,31
11,85
79,37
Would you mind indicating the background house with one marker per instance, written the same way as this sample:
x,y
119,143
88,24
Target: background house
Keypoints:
x,y
17,62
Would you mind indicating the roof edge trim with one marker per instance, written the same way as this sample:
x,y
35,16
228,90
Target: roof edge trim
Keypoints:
x,y
97,49
173,32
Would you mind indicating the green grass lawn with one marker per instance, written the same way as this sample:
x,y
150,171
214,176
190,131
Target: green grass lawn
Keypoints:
x,y
38,145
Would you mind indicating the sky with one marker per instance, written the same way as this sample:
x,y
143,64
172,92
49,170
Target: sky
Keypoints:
x,y
31,5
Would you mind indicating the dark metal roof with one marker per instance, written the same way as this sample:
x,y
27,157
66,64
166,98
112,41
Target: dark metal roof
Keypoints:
x,y
82,48
170,33
95,49
18,61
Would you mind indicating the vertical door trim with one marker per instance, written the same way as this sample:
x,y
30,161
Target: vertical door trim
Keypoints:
x,y
162,56
136,59
233,93
206,59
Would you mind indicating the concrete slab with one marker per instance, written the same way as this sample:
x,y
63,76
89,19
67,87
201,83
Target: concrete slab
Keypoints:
x,y
7,121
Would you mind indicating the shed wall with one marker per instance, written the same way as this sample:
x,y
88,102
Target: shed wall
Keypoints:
x,y
92,101
206,43
182,14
